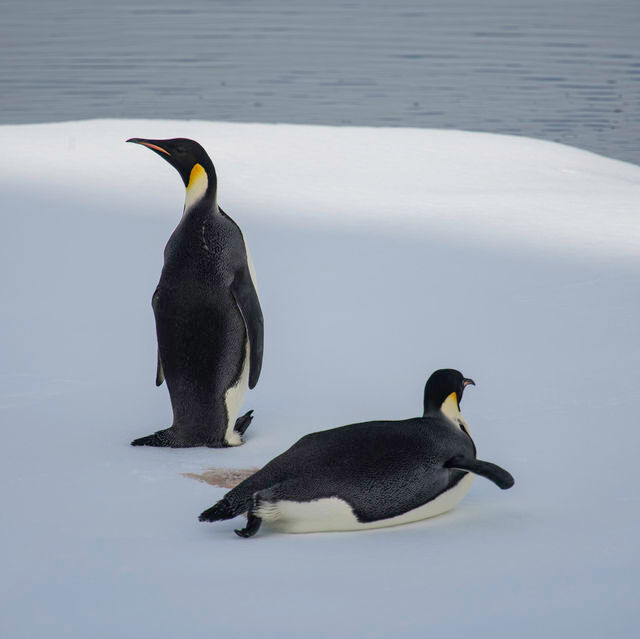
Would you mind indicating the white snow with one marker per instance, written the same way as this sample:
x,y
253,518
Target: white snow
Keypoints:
x,y
382,255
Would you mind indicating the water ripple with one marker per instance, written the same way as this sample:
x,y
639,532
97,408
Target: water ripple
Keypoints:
x,y
562,70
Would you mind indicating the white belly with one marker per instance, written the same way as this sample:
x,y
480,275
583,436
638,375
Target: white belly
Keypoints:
x,y
334,514
234,396
233,399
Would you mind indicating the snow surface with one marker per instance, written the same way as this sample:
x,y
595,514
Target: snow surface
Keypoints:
x,y
381,255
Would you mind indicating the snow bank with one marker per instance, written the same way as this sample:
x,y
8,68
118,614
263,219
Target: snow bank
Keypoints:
x,y
471,186
382,254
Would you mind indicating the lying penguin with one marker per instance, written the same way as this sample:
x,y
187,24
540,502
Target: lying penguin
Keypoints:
x,y
367,475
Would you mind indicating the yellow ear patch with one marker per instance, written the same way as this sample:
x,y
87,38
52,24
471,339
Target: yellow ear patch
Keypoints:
x,y
450,406
197,174
197,187
451,409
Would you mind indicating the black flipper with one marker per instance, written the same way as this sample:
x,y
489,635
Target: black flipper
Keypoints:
x,y
242,423
159,372
499,476
217,512
252,527
247,300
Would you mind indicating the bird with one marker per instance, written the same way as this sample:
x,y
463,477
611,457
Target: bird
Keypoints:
x,y
209,322
367,475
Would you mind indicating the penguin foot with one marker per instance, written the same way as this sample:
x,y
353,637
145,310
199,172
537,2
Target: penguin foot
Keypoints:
x,y
252,527
221,510
242,423
160,439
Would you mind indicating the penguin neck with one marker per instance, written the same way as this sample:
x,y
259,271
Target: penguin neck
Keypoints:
x,y
201,189
449,409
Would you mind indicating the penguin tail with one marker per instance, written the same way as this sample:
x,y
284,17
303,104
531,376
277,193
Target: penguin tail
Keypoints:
x,y
218,512
242,423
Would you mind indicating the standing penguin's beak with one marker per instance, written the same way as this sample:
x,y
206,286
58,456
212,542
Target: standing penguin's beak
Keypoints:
x,y
151,144
467,382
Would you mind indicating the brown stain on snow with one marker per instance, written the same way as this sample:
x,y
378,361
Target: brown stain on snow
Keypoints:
x,y
223,477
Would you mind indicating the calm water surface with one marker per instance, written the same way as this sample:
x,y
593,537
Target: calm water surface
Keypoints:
x,y
565,70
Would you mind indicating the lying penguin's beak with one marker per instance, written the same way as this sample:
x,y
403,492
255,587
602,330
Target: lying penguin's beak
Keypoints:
x,y
467,382
151,144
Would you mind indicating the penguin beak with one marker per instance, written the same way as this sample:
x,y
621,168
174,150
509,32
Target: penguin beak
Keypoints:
x,y
467,382
154,145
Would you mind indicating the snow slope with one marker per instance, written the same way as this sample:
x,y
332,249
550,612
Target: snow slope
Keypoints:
x,y
381,254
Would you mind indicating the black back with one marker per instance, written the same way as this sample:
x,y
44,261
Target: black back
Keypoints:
x,y
201,332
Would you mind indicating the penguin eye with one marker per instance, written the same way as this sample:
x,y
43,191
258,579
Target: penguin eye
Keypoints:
x,y
179,150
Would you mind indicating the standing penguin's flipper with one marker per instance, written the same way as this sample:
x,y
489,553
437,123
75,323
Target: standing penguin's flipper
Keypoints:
x,y
159,371
242,423
252,527
499,476
246,298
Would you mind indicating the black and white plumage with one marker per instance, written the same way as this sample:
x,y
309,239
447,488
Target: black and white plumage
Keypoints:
x,y
367,475
209,322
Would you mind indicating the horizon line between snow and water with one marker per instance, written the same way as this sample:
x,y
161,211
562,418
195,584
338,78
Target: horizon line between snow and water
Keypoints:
x,y
470,188
301,125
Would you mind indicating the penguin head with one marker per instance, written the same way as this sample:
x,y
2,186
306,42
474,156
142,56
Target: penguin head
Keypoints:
x,y
443,392
192,163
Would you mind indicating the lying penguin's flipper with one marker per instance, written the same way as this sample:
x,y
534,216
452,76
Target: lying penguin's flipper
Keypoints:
x,y
499,476
247,300
242,423
159,372
252,527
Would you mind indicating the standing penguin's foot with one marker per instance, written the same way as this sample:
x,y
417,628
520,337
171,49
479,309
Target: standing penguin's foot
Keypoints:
x,y
242,423
252,527
162,438
182,437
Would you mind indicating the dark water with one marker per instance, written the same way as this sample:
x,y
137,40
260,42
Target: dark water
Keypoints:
x,y
565,70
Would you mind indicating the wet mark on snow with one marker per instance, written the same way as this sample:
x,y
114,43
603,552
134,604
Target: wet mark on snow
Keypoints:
x,y
223,477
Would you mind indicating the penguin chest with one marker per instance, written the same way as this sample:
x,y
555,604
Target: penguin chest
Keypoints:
x,y
335,514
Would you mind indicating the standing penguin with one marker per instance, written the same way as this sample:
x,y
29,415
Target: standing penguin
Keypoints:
x,y
208,318
367,475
